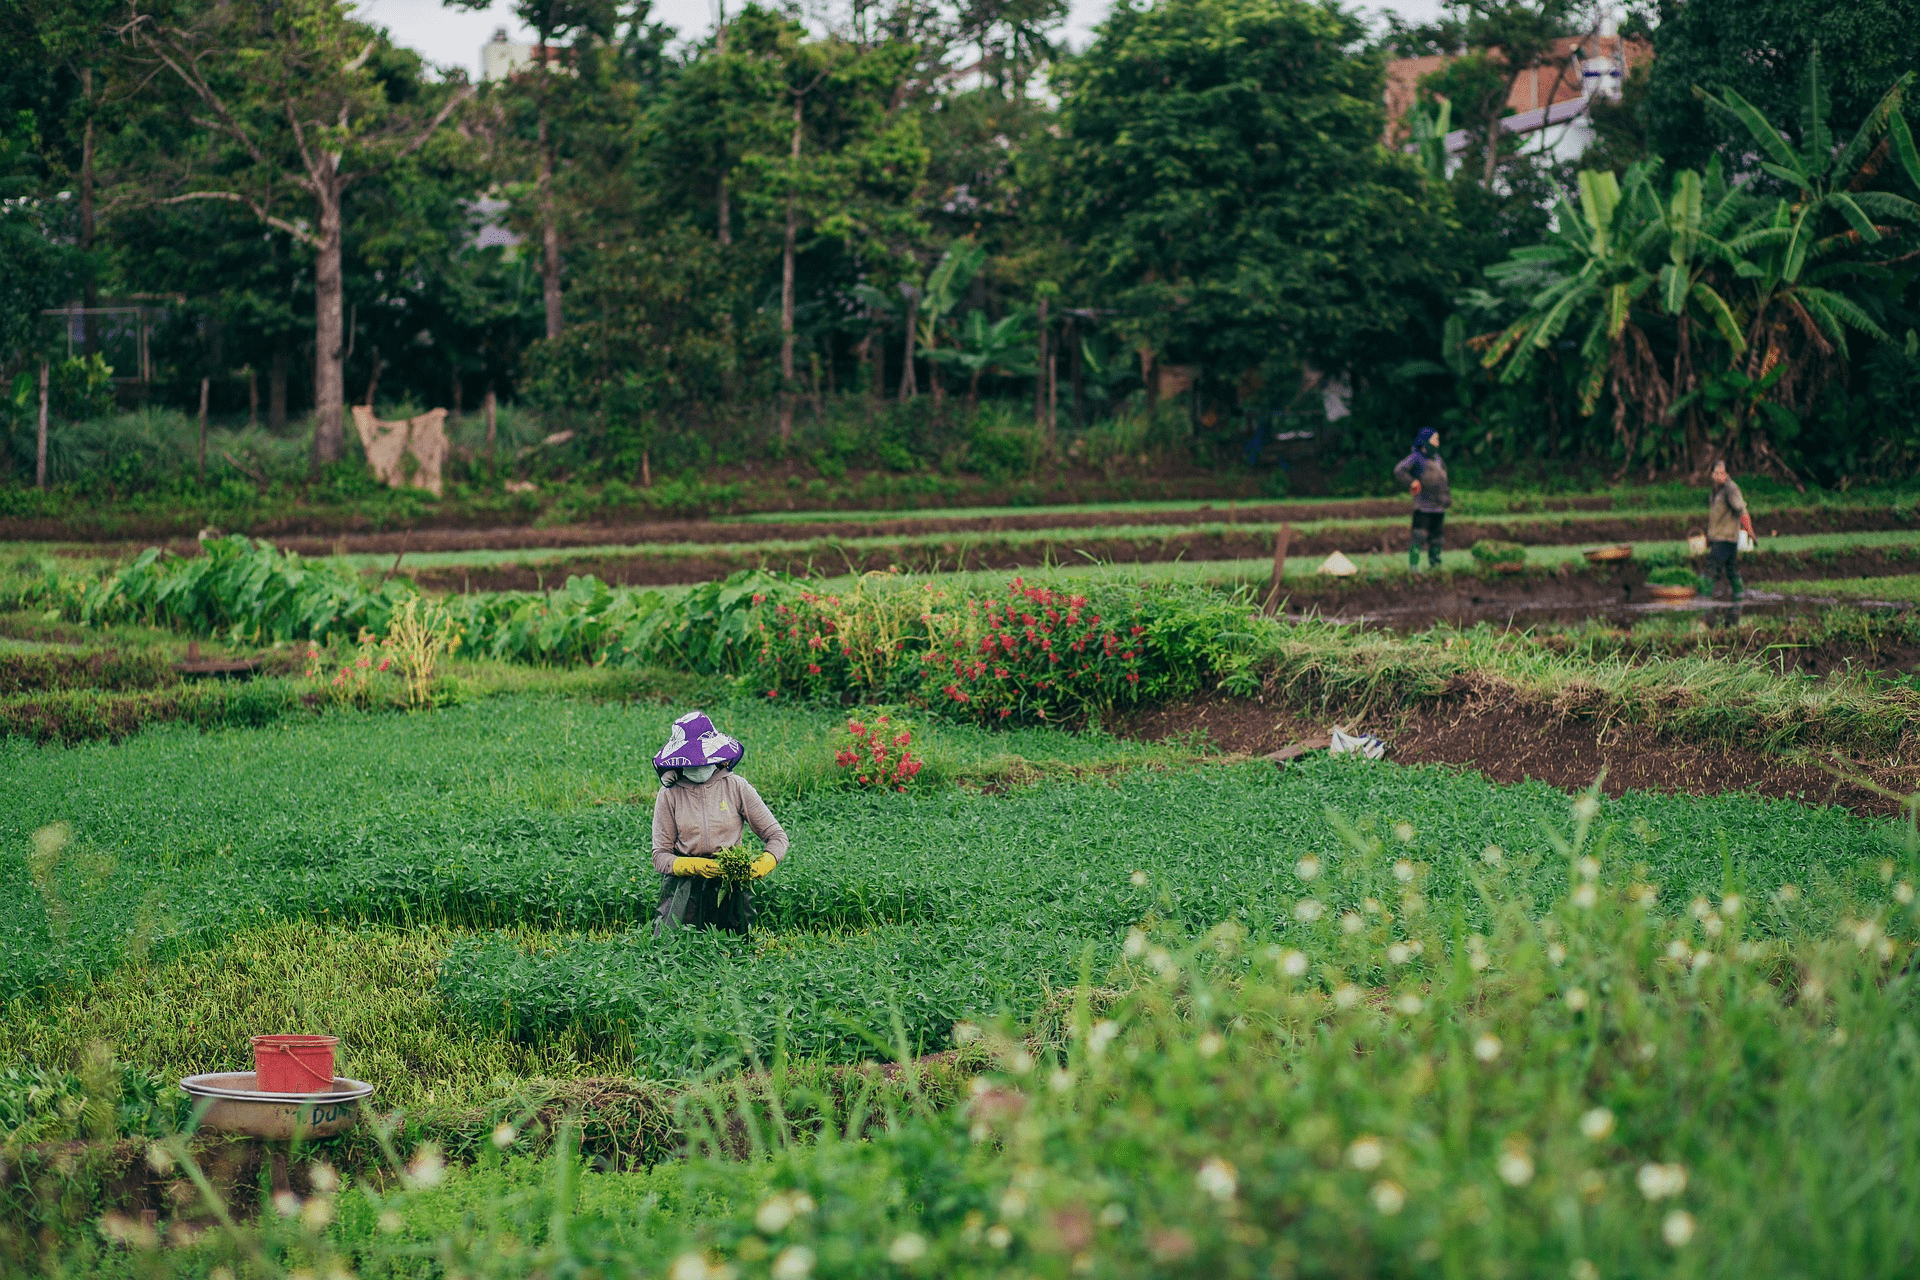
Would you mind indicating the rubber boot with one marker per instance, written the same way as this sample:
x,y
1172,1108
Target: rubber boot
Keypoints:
x,y
1433,551
1413,558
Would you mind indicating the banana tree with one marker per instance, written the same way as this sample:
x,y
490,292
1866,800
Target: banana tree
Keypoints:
x,y
1427,126
1602,269
1004,346
1793,263
946,284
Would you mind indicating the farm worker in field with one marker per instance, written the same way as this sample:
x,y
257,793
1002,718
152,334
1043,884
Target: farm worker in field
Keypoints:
x,y
699,811
1425,476
1726,519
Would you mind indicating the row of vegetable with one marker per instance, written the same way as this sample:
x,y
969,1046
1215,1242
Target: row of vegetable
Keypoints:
x,y
1029,654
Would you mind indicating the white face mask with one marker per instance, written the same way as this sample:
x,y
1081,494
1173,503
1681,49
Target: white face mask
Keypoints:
x,y
698,776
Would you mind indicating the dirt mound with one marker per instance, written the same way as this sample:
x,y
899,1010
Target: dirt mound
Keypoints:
x,y
1507,743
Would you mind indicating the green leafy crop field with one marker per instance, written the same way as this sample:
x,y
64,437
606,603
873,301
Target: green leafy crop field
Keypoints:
x,y
1348,1018
943,904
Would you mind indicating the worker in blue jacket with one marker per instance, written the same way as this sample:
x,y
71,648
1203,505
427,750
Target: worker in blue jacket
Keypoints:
x,y
1425,476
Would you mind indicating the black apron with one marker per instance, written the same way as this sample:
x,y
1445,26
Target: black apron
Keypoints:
x,y
696,902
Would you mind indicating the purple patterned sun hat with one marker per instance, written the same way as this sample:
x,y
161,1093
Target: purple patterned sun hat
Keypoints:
x,y
693,742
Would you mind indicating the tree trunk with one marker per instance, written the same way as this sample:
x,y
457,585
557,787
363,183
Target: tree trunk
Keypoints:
x,y
206,384
90,293
723,208
1078,376
490,407
908,388
329,338
40,439
549,232
277,391
253,397
786,287
1040,377
1053,400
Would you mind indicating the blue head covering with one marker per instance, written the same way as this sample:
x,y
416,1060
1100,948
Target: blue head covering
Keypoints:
x,y
693,742
1423,441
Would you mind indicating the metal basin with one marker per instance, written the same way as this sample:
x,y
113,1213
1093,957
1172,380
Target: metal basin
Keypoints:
x,y
227,1102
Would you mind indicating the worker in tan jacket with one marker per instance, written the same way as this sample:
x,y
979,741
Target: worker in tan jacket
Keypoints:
x,y
1727,519
701,808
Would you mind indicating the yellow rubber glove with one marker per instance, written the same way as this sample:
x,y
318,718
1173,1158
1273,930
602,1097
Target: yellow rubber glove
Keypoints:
x,y
762,865
706,868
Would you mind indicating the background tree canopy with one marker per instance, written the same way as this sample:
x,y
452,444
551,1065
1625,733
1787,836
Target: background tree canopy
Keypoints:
x,y
902,238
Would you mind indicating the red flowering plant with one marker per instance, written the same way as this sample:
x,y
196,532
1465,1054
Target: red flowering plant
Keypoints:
x,y
1034,656
877,755
801,653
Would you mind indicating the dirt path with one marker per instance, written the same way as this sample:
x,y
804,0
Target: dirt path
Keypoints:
x,y
1507,744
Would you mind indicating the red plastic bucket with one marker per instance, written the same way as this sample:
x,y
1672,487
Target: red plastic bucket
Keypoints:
x,y
293,1064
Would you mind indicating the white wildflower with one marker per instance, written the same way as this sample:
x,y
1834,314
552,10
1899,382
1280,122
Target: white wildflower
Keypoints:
x,y
1661,1181
1366,1152
1516,1167
794,1263
1218,1178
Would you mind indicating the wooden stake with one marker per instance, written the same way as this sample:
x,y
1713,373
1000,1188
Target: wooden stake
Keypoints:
x,y
489,405
1280,541
204,384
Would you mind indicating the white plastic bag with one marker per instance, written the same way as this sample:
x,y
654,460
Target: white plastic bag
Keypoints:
x,y
1363,744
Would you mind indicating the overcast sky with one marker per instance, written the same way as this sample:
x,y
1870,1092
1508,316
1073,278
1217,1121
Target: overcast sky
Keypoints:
x,y
451,36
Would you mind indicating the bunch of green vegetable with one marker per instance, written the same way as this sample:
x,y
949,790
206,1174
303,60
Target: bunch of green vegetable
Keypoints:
x,y
736,868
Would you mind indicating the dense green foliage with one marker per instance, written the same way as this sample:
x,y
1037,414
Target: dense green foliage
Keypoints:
x,y
746,248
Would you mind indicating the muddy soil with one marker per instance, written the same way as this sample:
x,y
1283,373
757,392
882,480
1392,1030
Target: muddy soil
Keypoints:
x,y
966,551
1577,593
1507,743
